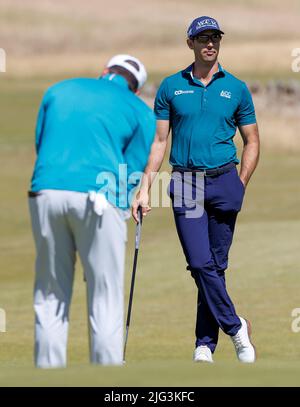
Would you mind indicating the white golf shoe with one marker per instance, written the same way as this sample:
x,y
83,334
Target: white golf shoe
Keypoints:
x,y
203,354
245,350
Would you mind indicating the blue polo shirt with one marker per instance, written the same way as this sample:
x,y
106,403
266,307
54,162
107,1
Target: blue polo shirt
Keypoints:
x,y
203,118
92,135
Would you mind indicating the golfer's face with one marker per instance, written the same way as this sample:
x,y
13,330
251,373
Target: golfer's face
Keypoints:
x,y
206,45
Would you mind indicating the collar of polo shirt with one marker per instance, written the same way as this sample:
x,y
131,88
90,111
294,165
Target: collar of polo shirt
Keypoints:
x,y
189,71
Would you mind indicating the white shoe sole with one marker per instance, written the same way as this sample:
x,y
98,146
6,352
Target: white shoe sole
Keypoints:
x,y
203,361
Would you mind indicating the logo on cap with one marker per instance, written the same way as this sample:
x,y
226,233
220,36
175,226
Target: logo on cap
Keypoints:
x,y
201,24
207,21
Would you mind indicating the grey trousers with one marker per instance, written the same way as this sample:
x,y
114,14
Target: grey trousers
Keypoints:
x,y
64,222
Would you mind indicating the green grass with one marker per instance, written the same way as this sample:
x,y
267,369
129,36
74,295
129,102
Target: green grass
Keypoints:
x,y
158,373
263,279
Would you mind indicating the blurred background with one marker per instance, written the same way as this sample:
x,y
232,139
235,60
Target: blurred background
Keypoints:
x,y
46,41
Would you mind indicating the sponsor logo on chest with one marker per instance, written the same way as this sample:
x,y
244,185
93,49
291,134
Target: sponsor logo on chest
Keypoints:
x,y
182,92
225,94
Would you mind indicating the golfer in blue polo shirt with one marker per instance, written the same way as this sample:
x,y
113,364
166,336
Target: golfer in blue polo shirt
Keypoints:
x,y
204,105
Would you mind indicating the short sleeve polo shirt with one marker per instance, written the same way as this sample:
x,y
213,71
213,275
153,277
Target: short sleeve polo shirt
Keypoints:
x,y
203,118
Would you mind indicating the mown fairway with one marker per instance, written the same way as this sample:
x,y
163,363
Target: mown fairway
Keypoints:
x,y
44,43
263,278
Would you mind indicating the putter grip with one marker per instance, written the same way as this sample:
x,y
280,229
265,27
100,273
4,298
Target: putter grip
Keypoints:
x,y
138,227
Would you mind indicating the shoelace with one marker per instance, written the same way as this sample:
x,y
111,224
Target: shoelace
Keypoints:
x,y
238,341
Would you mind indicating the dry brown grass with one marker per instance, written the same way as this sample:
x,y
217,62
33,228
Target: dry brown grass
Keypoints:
x,y
35,27
70,37
279,131
259,59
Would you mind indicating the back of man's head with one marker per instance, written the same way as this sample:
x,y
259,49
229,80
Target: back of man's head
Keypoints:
x,y
130,68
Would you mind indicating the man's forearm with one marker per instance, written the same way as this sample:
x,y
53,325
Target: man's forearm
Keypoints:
x,y
249,161
154,163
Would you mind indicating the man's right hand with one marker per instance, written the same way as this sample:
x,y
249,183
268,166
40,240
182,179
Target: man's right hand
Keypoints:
x,y
141,199
158,150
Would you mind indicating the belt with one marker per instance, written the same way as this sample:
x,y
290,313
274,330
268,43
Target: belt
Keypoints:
x,y
33,194
211,172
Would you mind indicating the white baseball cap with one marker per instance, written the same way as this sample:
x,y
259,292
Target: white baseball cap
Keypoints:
x,y
122,60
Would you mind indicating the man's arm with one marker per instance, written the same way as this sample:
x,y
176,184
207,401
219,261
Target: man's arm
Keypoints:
x,y
39,126
155,160
41,119
250,155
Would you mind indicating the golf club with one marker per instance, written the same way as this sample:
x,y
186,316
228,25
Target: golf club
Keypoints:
x,y
137,244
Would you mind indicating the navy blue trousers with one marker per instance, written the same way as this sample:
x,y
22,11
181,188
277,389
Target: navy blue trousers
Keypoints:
x,y
206,241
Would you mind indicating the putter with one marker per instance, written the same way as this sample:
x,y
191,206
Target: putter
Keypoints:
x,y
137,245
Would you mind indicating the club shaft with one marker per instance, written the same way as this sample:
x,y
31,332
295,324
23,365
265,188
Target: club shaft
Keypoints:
x,y
130,299
126,338
136,252
132,287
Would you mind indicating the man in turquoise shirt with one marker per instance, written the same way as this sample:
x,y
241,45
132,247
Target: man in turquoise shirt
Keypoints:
x,y
93,138
203,105
88,127
203,117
